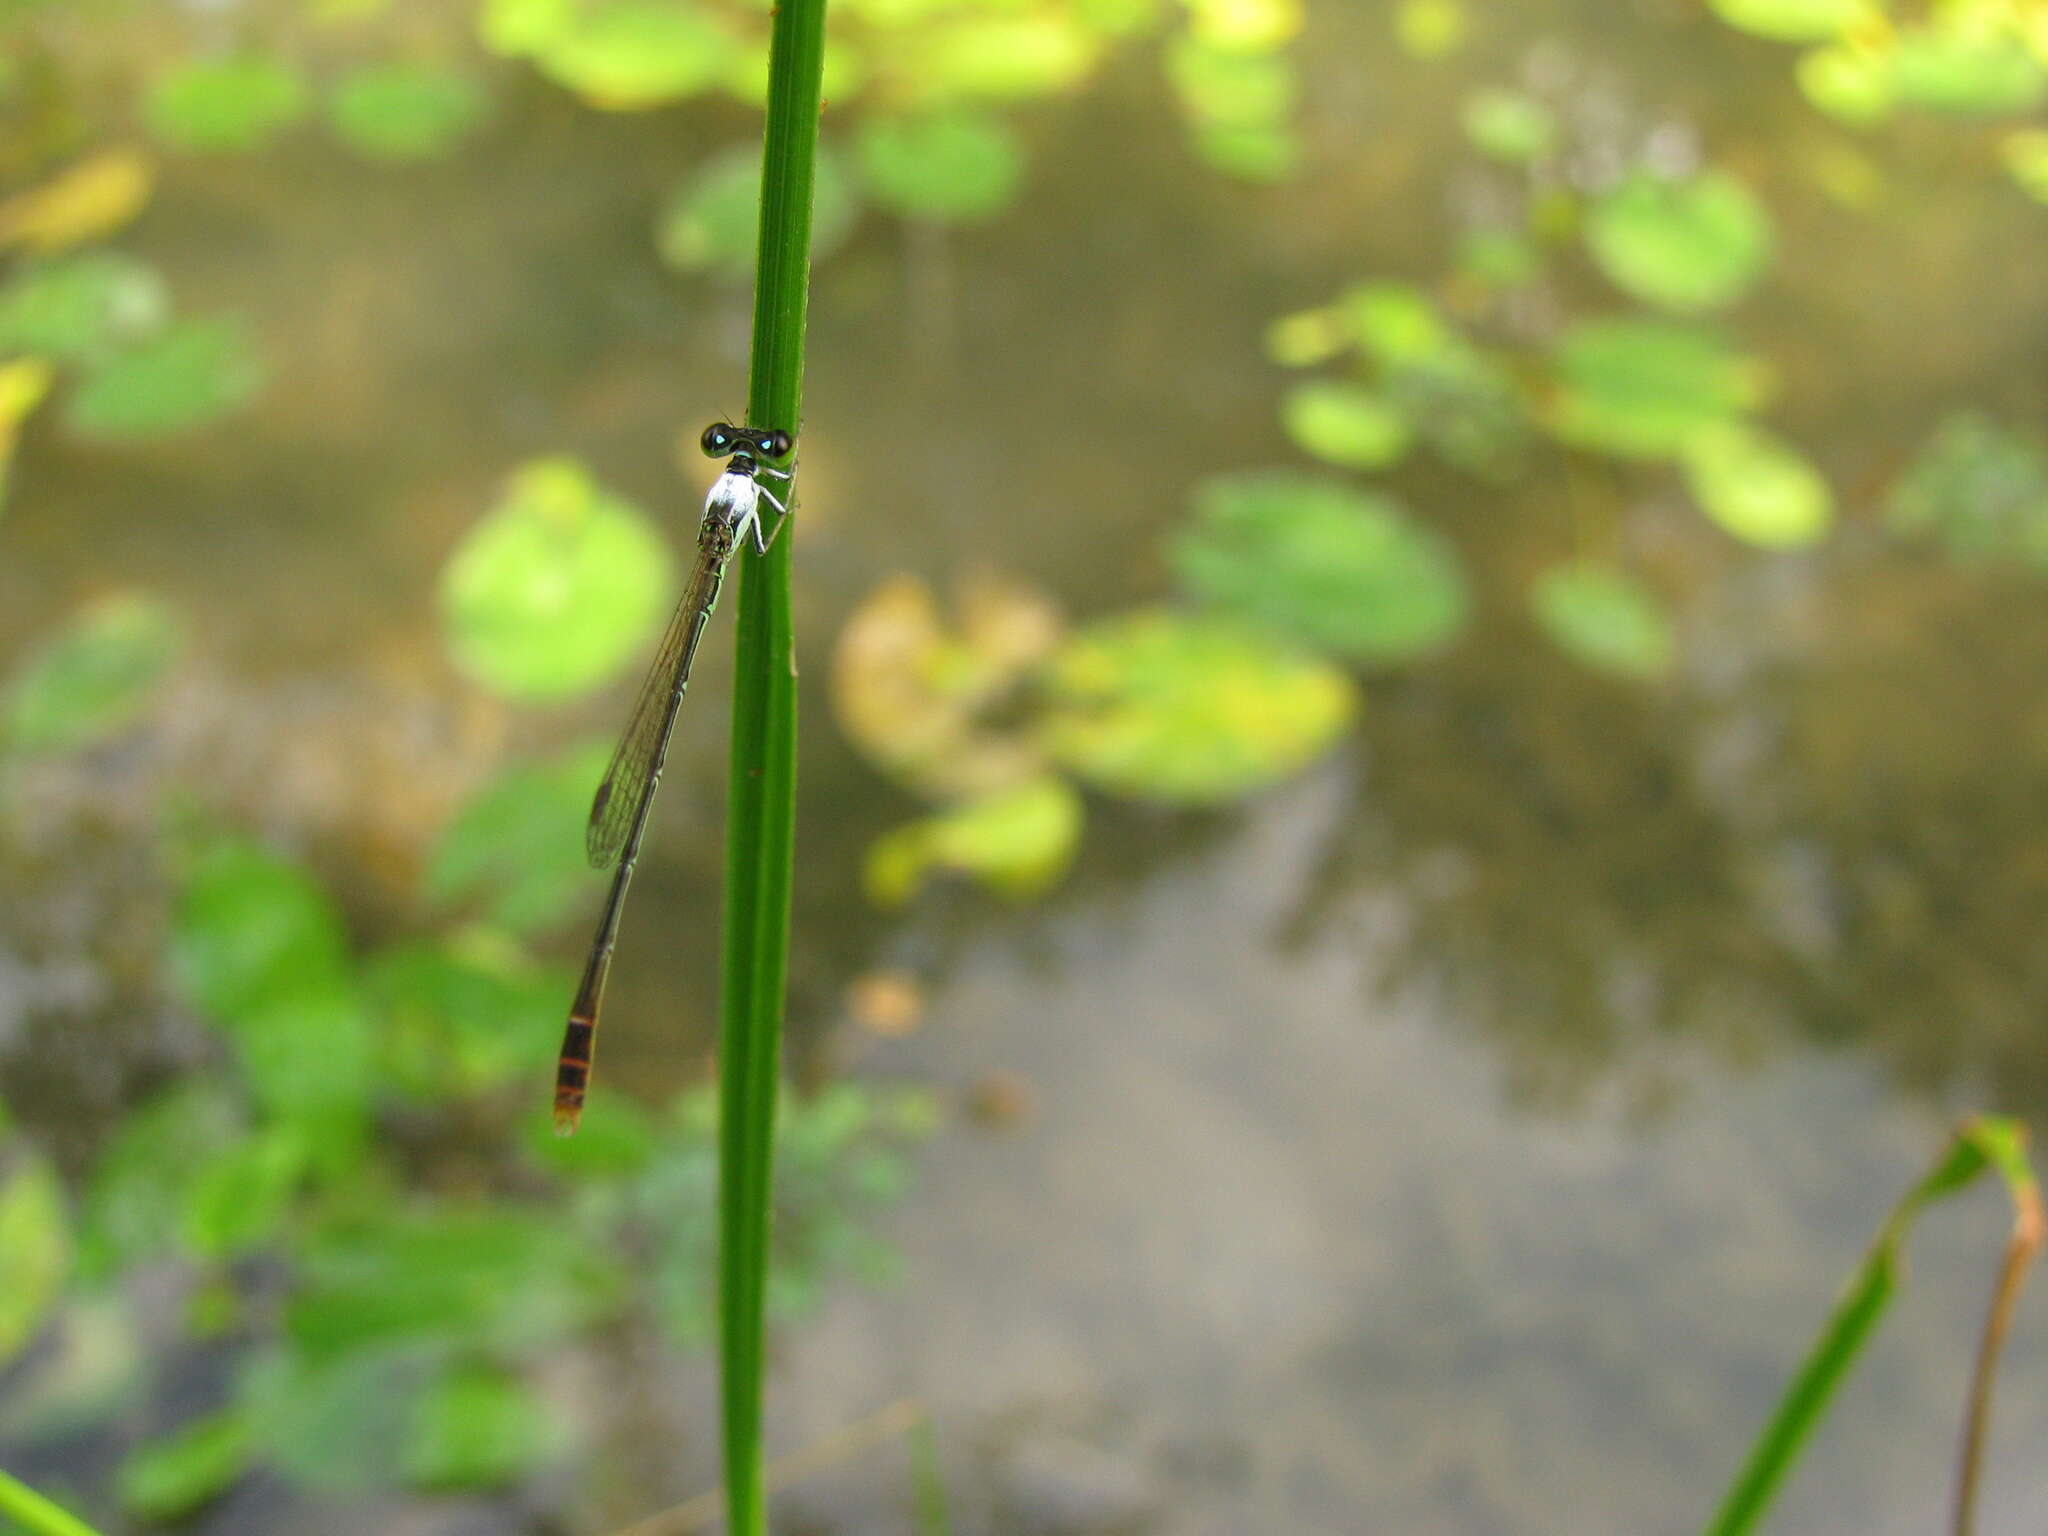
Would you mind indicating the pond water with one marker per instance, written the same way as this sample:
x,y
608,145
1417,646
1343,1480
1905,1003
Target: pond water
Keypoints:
x,y
1466,1135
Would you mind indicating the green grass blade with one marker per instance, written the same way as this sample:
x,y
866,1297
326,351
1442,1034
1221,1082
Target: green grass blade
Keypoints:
x,y
1986,1142
35,1515
927,1480
760,815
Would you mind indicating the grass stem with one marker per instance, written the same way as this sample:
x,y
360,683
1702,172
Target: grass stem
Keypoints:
x,y
761,805
35,1515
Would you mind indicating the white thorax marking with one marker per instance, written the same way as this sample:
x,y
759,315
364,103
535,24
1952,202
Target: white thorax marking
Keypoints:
x,y
737,496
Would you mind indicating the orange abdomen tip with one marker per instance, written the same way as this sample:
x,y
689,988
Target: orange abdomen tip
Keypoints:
x,y
572,1073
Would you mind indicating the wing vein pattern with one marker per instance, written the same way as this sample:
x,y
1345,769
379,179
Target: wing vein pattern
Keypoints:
x,y
636,762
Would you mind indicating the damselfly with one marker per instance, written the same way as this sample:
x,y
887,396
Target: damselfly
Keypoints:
x,y
618,815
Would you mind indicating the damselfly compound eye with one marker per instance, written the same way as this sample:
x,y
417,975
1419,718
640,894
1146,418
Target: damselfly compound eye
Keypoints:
x,y
778,444
716,440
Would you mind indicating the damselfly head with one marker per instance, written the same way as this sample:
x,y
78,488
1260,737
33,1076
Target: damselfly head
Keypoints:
x,y
722,440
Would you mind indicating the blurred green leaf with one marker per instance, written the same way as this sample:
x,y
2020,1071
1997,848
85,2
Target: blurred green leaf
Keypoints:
x,y
1346,570
1979,488
1229,86
1499,258
517,845
214,1307
260,947
1688,246
624,55
494,1278
35,1248
1308,337
474,1427
1267,152
556,588
1757,486
168,1479
94,677
712,221
190,374
337,1421
1604,617
1016,841
227,105
1246,26
826,1180
1796,21
1460,398
308,1058
1241,104
403,112
1512,126
1968,70
1431,29
251,928
948,168
1641,388
1396,324
72,307
1850,81
996,56
614,1139
1190,710
1345,424
136,1203
464,1016
519,28
239,1198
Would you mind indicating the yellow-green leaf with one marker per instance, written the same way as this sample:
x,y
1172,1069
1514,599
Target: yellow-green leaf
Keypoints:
x,y
1604,617
1757,486
169,1478
1689,246
1190,710
1345,424
1642,388
1796,21
557,589
227,105
1016,841
87,202
94,677
35,1249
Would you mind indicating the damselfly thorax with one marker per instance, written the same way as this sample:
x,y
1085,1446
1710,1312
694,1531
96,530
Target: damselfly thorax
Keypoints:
x,y
735,504
618,813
